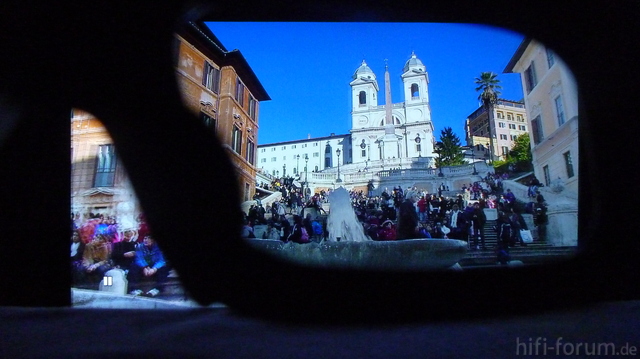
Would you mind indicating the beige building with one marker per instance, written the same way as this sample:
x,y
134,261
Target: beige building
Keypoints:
x,y
217,85
509,122
551,100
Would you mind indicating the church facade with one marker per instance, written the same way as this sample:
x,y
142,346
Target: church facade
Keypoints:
x,y
388,130
382,134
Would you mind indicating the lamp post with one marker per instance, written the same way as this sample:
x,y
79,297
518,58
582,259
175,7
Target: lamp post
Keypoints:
x,y
363,146
284,170
298,165
338,153
306,180
473,158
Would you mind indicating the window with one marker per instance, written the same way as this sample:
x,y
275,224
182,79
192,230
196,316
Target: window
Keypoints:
x,y
364,153
513,137
500,114
304,145
273,159
284,147
418,147
415,91
530,78
295,171
509,117
559,110
239,91
503,137
293,146
547,175
251,147
208,121
284,158
501,124
522,127
105,166
505,150
263,160
315,144
316,154
211,77
536,127
550,58
263,150
519,118
273,149
569,164
236,140
512,126
253,107
362,98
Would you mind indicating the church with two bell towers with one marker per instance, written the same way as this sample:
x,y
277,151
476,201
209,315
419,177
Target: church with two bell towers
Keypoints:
x,y
391,130
383,134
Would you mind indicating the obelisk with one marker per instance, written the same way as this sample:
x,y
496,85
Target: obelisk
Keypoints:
x,y
390,139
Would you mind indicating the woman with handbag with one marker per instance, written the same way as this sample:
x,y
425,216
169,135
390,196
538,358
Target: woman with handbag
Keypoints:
x,y
517,224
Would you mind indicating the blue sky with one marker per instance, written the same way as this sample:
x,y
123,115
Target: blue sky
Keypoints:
x,y
306,69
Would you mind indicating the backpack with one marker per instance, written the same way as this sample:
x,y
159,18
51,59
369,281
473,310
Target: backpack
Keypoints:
x,y
317,227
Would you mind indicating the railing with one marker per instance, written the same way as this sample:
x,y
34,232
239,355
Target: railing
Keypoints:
x,y
364,176
395,105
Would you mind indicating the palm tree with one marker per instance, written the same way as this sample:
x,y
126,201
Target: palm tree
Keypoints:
x,y
488,84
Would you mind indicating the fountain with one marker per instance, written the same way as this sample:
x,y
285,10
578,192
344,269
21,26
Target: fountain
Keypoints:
x,y
348,247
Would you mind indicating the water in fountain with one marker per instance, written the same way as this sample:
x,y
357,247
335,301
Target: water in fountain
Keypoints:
x,y
342,223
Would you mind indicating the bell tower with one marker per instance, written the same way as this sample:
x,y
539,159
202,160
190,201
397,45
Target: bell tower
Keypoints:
x,y
415,80
364,95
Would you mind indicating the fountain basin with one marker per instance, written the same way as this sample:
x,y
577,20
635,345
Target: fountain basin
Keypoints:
x,y
409,254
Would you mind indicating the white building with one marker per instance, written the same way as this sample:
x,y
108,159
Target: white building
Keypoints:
x,y
400,130
387,134
292,157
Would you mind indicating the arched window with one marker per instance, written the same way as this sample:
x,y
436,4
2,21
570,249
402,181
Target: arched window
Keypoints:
x,y
327,156
362,98
396,121
415,90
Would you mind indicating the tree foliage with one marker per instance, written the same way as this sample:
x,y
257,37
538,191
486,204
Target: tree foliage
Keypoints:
x,y
520,155
490,90
521,151
448,149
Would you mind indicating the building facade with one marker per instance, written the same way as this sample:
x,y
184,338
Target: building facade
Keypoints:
x,y
388,134
217,86
509,122
388,130
292,158
551,101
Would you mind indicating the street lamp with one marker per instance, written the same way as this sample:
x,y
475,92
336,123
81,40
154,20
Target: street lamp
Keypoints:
x,y
473,161
306,180
338,153
284,170
298,165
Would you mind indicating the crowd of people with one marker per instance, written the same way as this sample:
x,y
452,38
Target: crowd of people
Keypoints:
x,y
399,214
98,246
